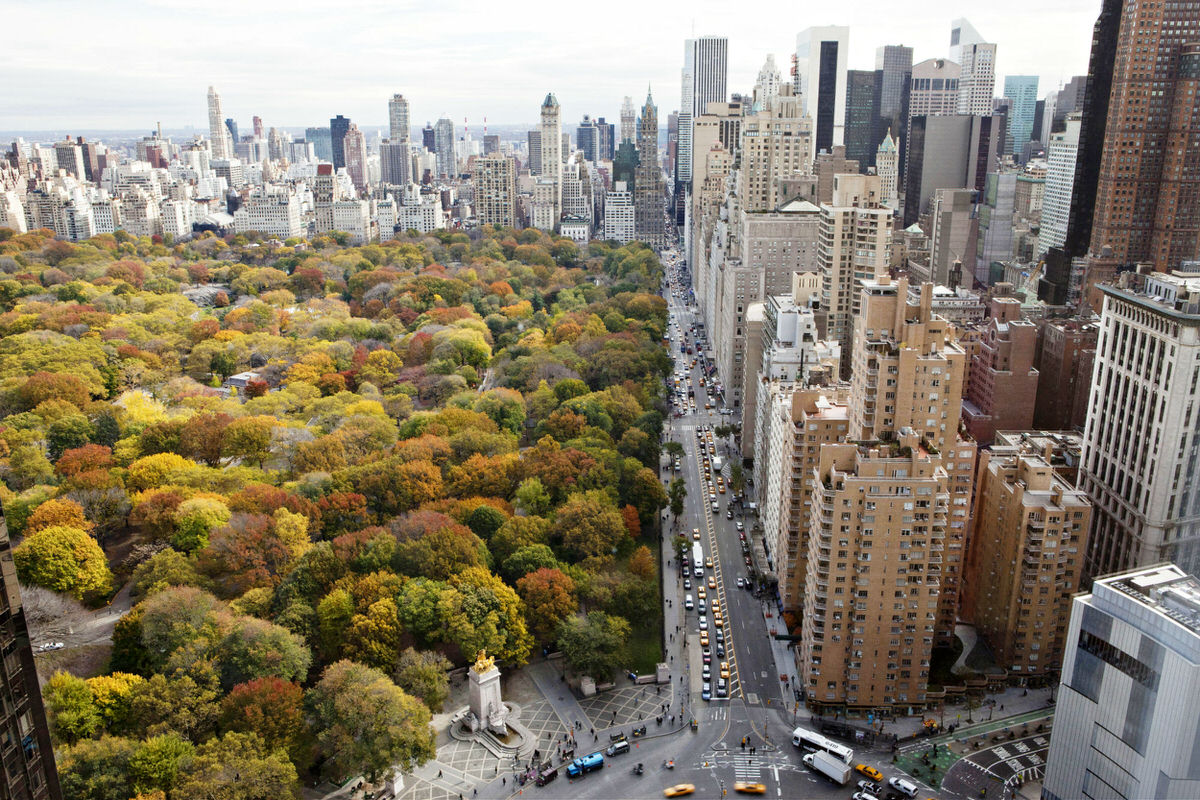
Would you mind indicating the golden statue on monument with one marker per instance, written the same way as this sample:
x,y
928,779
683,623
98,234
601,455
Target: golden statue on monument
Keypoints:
x,y
483,664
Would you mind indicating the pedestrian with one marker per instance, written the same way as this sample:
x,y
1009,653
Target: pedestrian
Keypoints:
x,y
439,773
504,781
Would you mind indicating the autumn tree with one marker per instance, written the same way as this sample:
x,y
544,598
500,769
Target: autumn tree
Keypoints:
x,y
239,766
588,525
367,724
549,597
273,708
425,675
64,559
595,645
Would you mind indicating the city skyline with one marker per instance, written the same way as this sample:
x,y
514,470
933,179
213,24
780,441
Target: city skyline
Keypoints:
x,y
276,78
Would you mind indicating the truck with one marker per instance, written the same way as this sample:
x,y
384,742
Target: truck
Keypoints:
x,y
836,770
717,464
582,766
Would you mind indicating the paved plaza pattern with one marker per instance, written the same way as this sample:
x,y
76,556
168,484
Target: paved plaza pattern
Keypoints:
x,y
631,705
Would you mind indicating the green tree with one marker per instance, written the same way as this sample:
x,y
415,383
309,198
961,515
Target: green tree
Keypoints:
x,y
676,493
72,709
68,432
255,648
373,638
97,769
182,703
532,497
588,525
65,560
595,645
526,560
157,762
195,519
239,766
484,613
162,570
367,724
425,675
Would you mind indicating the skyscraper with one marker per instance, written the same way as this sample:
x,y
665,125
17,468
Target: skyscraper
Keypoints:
x,y
1138,463
495,191
398,126
1125,717
1021,91
354,146
962,33
776,143
766,88
1060,176
552,154
337,135
395,163
820,81
1146,207
443,141
534,143
587,138
429,138
27,770
257,123
862,110
232,126
628,121
977,82
321,141
648,181
703,79
606,133
893,76
222,146
951,152
887,167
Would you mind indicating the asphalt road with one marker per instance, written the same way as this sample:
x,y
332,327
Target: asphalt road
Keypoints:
x,y
713,758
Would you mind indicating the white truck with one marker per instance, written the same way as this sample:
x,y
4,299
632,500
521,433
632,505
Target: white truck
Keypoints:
x,y
835,769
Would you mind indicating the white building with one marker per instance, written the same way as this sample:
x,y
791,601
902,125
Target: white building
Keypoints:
x,y
1125,724
386,216
577,229
552,164
12,212
271,214
177,217
354,218
887,167
618,214
419,212
1139,459
977,82
1060,182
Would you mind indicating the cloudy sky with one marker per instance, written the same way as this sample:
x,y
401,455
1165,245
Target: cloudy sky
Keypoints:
x,y
126,64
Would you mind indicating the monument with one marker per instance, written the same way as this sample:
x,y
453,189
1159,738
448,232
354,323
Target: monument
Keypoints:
x,y
487,708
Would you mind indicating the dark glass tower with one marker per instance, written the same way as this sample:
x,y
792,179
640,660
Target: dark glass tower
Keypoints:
x,y
337,140
26,756
862,109
826,97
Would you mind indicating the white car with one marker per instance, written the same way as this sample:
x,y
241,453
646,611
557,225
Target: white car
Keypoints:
x,y
703,622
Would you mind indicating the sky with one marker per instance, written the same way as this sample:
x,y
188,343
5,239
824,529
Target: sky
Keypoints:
x,y
128,64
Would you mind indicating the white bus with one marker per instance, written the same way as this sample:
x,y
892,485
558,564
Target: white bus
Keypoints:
x,y
815,741
697,560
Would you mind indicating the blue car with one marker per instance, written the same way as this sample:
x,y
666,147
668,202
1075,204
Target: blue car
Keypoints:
x,y
706,693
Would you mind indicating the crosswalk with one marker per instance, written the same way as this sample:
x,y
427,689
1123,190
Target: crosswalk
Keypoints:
x,y
747,769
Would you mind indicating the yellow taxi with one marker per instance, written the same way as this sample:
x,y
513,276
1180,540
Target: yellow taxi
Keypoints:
x,y
696,534
870,772
718,620
708,563
704,638
701,593
712,582
679,790
720,488
749,788
725,670
716,606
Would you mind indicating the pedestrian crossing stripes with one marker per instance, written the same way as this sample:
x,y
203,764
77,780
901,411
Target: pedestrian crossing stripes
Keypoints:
x,y
747,769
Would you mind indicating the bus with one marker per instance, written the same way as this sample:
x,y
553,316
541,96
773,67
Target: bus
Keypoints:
x,y
815,741
697,560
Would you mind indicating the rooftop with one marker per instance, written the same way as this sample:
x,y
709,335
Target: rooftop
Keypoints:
x,y
1165,590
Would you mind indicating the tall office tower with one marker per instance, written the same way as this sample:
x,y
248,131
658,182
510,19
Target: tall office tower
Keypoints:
x,y
257,123
934,88
1021,91
704,75
429,138
275,143
495,191
648,180
962,33
606,133
819,80
1125,717
322,142
1026,554
776,144
354,147
1146,207
27,770
952,235
587,138
893,84
619,224
861,115
1002,382
1060,177
552,152
69,156
866,644
887,167
766,88
854,241
951,152
398,125
222,145
443,140
628,121
232,126
534,140
625,163
337,136
977,81
1137,463
395,163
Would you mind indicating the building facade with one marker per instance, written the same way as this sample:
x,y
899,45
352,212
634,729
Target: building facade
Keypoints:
x,y
820,81
495,191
